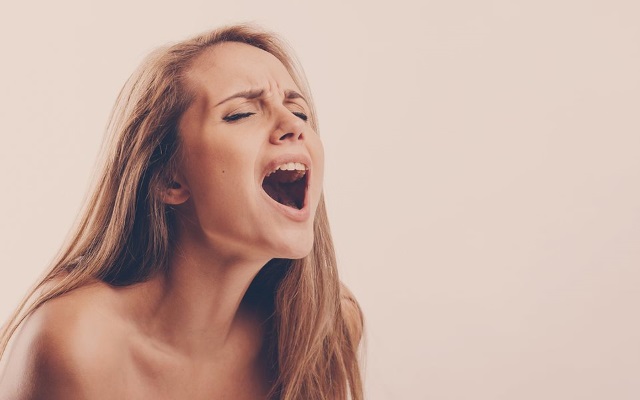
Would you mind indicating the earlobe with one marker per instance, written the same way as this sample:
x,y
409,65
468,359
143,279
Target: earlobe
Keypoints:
x,y
175,193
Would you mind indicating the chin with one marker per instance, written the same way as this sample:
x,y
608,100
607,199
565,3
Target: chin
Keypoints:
x,y
300,247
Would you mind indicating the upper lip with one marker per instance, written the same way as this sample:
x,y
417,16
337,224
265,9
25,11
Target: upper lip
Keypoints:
x,y
286,158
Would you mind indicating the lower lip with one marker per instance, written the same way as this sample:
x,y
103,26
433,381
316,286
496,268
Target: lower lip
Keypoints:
x,y
293,213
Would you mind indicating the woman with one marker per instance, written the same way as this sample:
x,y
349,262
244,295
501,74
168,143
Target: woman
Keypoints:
x,y
203,266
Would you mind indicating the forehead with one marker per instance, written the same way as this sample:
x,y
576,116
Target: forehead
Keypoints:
x,y
230,67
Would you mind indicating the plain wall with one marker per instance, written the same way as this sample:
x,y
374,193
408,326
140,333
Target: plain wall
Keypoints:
x,y
482,172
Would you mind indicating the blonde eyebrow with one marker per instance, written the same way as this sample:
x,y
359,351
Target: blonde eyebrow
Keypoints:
x,y
245,94
292,94
254,94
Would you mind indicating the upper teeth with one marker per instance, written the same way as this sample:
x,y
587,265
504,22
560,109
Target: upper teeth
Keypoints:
x,y
292,166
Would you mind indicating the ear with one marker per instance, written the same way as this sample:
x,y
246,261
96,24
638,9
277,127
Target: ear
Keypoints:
x,y
175,192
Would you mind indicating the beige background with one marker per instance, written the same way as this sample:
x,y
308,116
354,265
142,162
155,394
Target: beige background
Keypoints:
x,y
483,169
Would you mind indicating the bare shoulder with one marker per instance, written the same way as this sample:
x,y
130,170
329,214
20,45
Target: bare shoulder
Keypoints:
x,y
65,349
352,314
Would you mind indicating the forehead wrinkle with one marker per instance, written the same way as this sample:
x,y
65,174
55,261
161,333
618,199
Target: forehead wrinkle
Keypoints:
x,y
263,94
250,75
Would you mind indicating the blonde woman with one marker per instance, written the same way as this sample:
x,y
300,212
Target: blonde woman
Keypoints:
x,y
203,266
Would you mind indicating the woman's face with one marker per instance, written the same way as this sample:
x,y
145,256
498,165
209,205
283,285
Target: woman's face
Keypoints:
x,y
248,120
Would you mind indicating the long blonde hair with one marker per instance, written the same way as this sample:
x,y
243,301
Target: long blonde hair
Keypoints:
x,y
125,232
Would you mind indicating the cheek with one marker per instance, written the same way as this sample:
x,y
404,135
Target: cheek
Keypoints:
x,y
218,173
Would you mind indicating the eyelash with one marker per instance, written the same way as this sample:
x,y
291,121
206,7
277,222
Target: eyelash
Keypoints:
x,y
235,117
239,116
301,115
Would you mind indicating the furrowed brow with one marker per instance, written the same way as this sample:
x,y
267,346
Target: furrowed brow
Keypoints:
x,y
245,94
254,94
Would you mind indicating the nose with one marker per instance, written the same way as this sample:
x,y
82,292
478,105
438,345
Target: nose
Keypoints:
x,y
288,127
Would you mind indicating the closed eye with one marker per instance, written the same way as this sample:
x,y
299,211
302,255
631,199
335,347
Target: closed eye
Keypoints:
x,y
301,115
238,116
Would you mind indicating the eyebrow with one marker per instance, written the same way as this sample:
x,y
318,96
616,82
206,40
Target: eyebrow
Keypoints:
x,y
292,94
254,94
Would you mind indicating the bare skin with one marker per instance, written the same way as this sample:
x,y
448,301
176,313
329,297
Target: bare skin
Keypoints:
x,y
101,342
96,343
189,334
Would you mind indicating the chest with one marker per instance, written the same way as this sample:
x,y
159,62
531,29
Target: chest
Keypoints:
x,y
230,376
248,385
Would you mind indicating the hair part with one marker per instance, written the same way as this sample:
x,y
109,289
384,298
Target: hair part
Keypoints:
x,y
125,231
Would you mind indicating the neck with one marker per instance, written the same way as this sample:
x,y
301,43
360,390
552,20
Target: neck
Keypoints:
x,y
197,306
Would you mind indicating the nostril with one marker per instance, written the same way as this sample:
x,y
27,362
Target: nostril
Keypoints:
x,y
286,136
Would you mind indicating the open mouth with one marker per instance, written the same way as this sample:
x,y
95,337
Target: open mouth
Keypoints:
x,y
287,184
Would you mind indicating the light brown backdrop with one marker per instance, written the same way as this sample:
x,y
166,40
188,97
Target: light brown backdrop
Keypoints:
x,y
483,161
